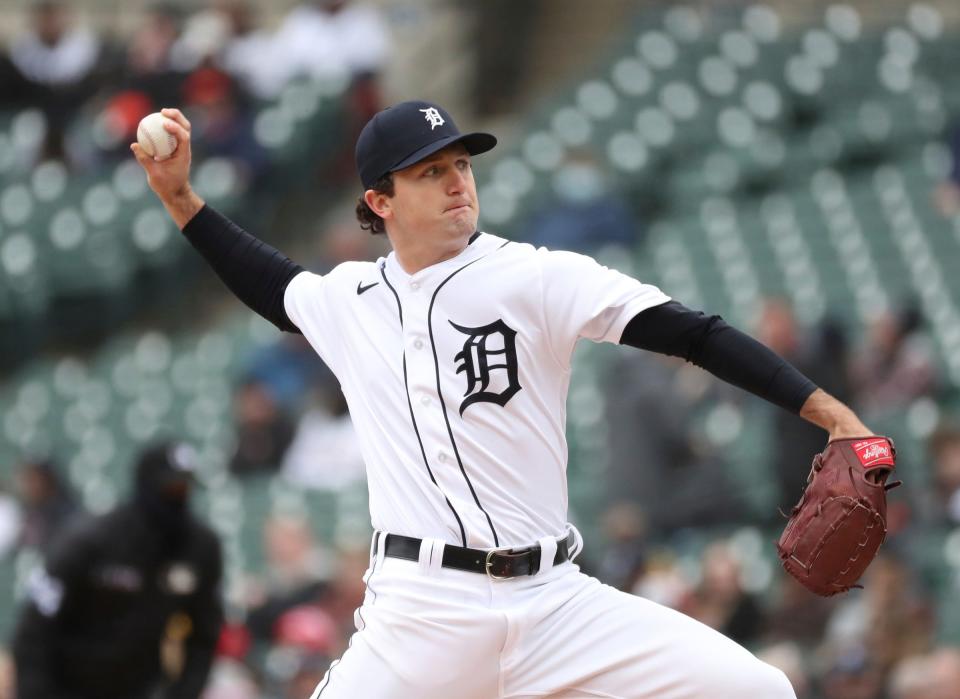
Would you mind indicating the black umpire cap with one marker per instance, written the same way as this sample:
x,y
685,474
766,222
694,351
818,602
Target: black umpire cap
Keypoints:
x,y
166,463
406,133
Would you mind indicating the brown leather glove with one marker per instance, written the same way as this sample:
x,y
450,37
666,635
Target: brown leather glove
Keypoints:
x,y
841,520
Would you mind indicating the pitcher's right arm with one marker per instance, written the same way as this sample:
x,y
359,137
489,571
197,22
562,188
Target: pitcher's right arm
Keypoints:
x,y
255,272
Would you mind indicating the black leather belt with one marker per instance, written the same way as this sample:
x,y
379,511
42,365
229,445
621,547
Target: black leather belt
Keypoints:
x,y
499,564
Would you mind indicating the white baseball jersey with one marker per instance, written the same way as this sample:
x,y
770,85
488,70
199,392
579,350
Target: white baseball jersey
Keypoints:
x,y
457,377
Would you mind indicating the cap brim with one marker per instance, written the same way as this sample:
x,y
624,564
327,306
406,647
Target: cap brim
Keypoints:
x,y
475,143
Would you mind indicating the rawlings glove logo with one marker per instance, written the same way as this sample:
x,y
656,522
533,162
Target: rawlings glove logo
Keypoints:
x,y
874,452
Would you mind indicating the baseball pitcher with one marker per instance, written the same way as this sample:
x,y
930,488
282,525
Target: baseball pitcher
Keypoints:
x,y
454,354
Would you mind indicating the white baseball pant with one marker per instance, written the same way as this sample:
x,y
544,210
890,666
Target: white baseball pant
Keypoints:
x,y
426,632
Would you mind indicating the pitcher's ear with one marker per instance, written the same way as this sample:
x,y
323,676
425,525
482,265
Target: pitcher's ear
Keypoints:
x,y
379,202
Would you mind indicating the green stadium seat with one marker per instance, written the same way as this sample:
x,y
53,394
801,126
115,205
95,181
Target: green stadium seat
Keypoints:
x,y
633,79
763,23
17,205
572,126
658,49
684,24
23,274
154,237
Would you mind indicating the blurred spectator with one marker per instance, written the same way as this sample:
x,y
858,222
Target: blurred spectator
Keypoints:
x,y
54,51
342,240
113,126
244,48
307,674
932,676
911,678
820,355
788,658
7,679
289,370
890,619
948,193
264,430
796,615
142,82
720,601
57,62
306,639
47,503
297,572
325,452
852,674
126,605
234,641
945,450
233,675
149,66
203,36
624,558
230,679
348,585
324,38
10,522
657,459
222,126
585,212
17,90
665,583
896,365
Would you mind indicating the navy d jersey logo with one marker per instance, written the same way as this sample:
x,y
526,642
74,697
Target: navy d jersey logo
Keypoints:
x,y
496,340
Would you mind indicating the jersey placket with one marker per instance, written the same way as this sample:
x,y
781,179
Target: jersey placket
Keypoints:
x,y
422,371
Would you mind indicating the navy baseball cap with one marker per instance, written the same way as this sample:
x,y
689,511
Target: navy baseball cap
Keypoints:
x,y
406,133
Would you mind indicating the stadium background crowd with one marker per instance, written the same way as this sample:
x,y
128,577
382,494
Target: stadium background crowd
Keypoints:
x,y
796,169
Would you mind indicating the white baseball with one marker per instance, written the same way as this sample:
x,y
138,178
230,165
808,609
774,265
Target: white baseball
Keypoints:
x,y
155,140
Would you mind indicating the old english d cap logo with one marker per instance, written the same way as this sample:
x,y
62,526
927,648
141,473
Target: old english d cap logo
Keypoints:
x,y
405,134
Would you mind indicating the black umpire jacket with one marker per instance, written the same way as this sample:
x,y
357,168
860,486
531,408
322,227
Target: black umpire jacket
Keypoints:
x,y
113,588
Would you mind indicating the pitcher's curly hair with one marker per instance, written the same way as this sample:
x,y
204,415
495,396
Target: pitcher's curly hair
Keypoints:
x,y
370,221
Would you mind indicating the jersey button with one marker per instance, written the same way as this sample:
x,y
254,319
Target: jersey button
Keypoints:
x,y
425,399
418,343
442,458
414,285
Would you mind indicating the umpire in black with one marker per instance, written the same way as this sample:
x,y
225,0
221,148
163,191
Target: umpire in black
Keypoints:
x,y
127,605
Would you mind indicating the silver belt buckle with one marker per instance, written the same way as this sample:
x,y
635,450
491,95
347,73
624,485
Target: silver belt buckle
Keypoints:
x,y
489,563
503,552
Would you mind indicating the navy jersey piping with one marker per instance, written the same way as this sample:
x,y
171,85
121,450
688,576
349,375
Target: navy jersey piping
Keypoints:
x,y
443,405
413,419
373,569
330,669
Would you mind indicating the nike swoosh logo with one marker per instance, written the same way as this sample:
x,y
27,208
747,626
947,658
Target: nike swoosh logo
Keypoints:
x,y
361,288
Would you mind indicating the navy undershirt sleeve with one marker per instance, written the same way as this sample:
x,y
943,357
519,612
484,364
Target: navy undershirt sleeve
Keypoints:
x,y
707,341
255,272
